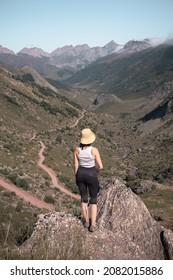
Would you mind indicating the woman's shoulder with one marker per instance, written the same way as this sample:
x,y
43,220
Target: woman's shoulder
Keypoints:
x,y
94,150
76,149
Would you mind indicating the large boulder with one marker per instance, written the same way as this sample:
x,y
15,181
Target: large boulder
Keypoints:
x,y
126,230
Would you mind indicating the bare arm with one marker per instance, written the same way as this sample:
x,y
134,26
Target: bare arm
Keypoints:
x,y
75,158
96,153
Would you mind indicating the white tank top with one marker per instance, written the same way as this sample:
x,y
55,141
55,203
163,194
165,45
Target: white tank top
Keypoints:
x,y
85,157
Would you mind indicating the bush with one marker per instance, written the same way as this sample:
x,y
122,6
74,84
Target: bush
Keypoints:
x,y
12,100
12,177
165,174
22,183
49,199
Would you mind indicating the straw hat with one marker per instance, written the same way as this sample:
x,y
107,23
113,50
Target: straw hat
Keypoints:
x,y
88,136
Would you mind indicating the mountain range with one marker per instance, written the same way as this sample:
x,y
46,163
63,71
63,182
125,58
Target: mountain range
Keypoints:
x,y
75,58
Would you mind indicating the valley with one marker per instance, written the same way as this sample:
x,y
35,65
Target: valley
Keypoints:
x,y
126,101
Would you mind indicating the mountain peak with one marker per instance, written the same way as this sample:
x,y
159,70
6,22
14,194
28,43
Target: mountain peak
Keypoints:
x,y
5,50
36,52
112,47
134,45
112,43
61,50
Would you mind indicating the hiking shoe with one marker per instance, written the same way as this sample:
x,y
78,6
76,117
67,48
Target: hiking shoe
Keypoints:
x,y
92,228
86,224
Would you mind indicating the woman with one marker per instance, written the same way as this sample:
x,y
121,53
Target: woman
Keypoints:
x,y
86,175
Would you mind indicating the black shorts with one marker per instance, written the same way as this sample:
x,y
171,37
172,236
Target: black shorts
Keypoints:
x,y
87,181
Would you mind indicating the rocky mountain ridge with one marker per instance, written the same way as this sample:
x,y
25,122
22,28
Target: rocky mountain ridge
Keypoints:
x,y
36,52
78,57
125,230
36,78
70,57
4,50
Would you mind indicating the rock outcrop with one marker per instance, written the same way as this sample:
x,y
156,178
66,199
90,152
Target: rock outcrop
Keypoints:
x,y
101,99
126,230
167,240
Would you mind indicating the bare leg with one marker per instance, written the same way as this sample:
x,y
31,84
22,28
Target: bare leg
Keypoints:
x,y
85,212
93,214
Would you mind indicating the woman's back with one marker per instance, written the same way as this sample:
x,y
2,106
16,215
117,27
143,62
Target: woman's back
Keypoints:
x,y
85,157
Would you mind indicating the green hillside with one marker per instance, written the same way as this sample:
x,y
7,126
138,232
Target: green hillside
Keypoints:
x,y
128,76
30,114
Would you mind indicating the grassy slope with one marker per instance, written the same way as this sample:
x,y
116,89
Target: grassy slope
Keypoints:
x,y
128,76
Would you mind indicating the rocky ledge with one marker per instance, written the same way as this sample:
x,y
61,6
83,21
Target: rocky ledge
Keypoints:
x,y
126,230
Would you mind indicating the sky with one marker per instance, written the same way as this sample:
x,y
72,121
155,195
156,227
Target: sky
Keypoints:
x,y
50,24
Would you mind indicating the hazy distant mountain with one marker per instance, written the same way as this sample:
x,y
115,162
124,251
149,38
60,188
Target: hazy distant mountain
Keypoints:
x,y
136,46
64,61
77,49
68,57
80,56
36,52
5,50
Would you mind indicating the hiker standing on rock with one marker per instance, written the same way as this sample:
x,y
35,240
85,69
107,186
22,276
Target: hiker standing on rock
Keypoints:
x,y
86,175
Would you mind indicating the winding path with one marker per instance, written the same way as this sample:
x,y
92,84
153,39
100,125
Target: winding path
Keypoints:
x,y
52,174
50,171
30,198
76,123
25,195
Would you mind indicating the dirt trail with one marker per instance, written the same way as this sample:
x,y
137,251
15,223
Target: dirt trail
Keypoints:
x,y
30,198
50,171
25,195
76,123
52,174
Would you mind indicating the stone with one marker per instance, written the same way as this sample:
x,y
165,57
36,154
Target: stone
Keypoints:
x,y
125,231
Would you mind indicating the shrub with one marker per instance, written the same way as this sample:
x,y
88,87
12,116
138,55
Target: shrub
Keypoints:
x,y
49,199
12,177
22,183
12,100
